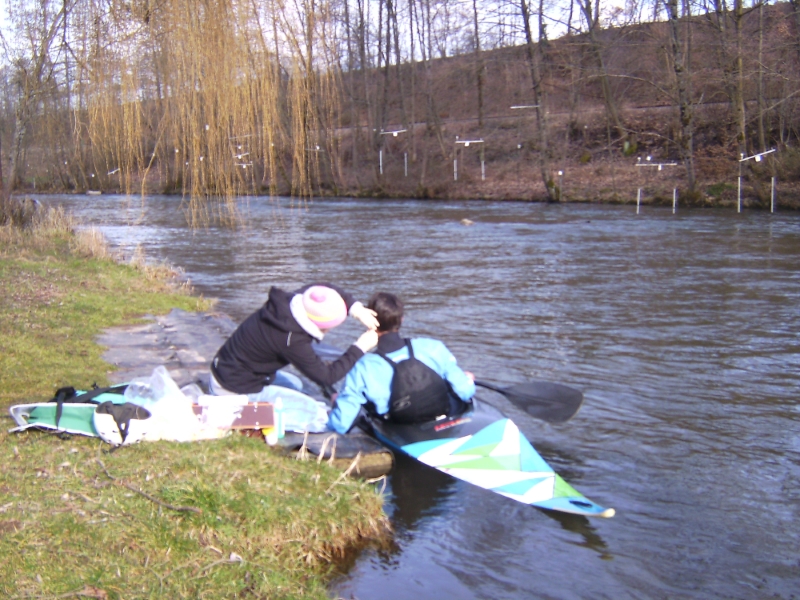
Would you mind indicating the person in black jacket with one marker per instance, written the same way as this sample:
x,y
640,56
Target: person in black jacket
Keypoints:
x,y
281,333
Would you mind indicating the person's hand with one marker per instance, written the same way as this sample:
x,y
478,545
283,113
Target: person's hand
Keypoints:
x,y
470,375
367,341
367,317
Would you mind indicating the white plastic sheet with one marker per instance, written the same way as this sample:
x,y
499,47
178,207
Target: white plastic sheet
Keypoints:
x,y
172,415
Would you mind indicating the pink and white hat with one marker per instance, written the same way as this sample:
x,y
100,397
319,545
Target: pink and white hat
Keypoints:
x,y
324,306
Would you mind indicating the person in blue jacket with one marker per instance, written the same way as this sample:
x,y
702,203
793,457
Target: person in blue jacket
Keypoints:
x,y
373,382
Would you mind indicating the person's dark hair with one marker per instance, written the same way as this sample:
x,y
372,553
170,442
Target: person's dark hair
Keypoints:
x,y
389,309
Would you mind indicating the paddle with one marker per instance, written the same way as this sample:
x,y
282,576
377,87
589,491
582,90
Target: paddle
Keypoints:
x,y
551,402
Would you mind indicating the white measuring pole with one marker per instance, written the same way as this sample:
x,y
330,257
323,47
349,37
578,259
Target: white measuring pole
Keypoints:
x,y
380,160
483,171
638,199
674,199
455,169
742,158
739,205
772,197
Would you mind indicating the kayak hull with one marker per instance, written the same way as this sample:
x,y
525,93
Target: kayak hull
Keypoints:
x,y
483,447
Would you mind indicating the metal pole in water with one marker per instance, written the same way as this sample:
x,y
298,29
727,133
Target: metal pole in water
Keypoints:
x,y
739,209
483,171
674,199
380,160
455,169
742,158
638,199
772,197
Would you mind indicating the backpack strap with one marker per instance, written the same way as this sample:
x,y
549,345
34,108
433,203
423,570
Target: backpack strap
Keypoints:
x,y
63,394
68,395
390,361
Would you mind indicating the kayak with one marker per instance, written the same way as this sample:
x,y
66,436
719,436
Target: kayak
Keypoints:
x,y
485,448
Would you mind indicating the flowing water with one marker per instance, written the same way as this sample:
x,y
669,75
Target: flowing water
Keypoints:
x,y
683,332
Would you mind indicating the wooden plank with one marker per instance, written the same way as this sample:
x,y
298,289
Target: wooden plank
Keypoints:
x,y
254,416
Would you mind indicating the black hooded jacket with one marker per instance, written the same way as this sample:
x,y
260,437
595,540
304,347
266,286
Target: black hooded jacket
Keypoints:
x,y
271,338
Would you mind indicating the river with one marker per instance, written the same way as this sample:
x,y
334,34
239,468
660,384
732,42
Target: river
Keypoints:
x,y
682,330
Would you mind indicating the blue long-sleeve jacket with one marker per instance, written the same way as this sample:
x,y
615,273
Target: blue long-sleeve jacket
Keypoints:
x,y
371,377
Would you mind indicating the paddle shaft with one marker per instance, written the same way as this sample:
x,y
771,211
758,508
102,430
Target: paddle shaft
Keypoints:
x,y
489,386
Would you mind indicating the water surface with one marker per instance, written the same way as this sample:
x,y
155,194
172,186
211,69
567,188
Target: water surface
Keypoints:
x,y
681,330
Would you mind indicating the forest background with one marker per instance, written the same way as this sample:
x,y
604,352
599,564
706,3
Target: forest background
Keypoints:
x,y
567,100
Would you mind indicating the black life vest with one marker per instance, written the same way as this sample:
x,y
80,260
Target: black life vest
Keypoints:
x,y
418,392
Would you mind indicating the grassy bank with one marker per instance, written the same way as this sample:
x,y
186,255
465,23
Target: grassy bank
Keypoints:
x,y
223,519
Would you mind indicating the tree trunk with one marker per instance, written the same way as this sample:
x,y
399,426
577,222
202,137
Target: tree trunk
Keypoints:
x,y
731,64
398,63
796,10
534,53
762,105
593,24
3,194
739,108
479,67
433,121
413,66
681,66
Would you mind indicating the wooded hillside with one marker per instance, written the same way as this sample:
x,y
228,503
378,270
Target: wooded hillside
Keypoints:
x,y
214,99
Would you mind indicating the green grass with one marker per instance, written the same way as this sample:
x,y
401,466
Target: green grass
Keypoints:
x,y
262,524
217,519
52,305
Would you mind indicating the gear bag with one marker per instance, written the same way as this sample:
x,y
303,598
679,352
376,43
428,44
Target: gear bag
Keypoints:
x,y
418,392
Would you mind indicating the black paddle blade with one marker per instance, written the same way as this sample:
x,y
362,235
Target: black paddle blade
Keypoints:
x,y
551,402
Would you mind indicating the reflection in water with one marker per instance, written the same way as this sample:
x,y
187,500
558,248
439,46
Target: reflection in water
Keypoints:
x,y
580,525
681,330
418,492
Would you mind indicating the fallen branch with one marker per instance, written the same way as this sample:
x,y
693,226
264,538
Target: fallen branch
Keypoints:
x,y
148,496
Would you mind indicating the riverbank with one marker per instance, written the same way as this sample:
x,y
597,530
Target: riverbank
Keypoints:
x,y
584,180
505,166
170,520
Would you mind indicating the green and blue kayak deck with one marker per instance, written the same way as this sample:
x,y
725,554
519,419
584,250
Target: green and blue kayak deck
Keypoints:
x,y
485,448
76,418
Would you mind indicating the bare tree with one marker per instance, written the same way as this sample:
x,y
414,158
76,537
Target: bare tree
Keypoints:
x,y
679,46
38,24
535,53
591,15
727,24
479,66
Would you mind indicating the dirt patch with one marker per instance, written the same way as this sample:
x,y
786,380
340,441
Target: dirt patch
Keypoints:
x,y
10,526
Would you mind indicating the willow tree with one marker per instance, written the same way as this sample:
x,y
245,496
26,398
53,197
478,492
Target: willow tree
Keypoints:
x,y
217,99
